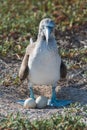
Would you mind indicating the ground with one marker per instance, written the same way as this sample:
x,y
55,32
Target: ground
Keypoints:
x,y
74,87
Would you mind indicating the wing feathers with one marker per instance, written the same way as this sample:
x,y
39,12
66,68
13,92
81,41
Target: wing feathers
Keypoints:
x,y
63,70
24,71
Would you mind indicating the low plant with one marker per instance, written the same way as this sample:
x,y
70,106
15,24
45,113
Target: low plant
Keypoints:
x,y
19,20
69,119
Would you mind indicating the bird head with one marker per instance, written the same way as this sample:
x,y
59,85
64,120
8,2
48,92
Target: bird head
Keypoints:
x,y
46,28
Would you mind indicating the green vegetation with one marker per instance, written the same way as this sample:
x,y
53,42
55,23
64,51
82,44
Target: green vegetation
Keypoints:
x,y
19,20
69,119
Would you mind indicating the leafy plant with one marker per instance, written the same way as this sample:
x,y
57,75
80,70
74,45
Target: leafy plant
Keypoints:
x,y
69,119
19,20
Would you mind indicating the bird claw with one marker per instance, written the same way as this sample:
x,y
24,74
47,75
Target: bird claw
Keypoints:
x,y
58,103
21,102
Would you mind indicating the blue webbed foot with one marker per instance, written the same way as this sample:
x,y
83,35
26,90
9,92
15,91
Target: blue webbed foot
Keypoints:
x,y
21,101
55,102
58,103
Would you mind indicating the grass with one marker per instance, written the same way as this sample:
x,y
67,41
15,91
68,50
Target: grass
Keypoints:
x,y
70,119
19,20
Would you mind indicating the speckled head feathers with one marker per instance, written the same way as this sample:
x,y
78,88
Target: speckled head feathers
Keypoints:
x,y
46,28
47,22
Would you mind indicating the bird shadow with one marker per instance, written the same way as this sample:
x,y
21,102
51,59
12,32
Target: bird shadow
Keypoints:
x,y
75,93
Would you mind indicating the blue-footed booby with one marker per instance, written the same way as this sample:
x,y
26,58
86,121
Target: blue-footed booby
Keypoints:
x,y
43,63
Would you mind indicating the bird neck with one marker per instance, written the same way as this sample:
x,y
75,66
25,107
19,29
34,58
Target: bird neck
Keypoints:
x,y
42,38
41,42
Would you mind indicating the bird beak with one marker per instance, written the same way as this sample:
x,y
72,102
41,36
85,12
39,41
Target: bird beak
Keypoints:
x,y
47,33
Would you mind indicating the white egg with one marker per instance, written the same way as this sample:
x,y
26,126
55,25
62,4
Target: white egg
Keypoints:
x,y
41,102
29,103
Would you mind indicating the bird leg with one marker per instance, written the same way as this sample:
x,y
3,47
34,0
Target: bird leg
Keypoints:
x,y
21,102
55,102
53,97
31,91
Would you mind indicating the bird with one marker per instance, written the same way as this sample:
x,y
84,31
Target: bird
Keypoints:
x,y
42,62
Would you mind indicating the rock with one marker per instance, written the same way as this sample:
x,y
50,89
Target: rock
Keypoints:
x,y
29,103
41,102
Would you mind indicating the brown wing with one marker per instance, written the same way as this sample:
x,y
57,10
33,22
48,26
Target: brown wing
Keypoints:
x,y
63,70
24,71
